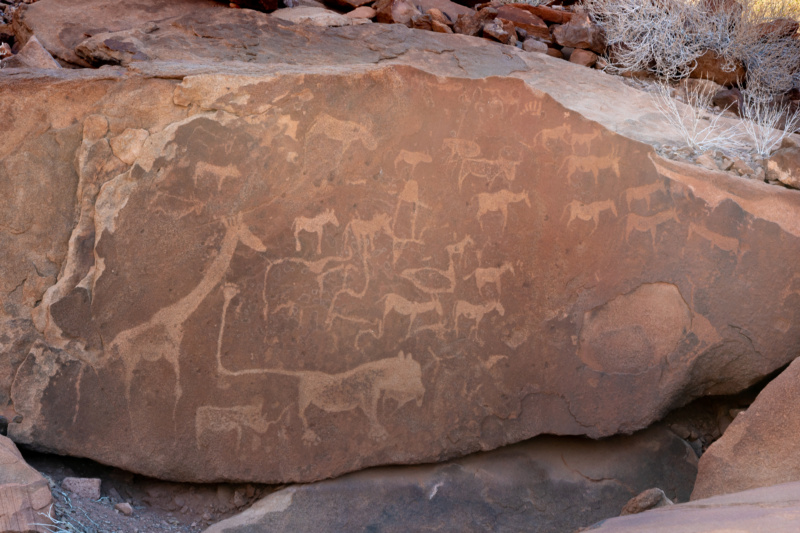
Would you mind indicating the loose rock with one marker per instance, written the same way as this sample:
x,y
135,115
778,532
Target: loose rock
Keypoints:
x,y
580,32
83,487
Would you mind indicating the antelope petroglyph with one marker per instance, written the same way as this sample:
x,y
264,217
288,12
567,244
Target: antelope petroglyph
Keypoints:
x,y
643,192
586,212
313,225
422,277
648,224
476,312
345,131
484,276
499,201
398,304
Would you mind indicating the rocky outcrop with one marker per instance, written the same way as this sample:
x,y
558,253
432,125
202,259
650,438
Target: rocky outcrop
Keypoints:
x,y
548,485
279,253
761,446
24,494
774,509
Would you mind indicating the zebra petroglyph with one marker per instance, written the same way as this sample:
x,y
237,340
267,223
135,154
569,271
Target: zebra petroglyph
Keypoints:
x,y
476,312
313,225
499,201
586,212
484,276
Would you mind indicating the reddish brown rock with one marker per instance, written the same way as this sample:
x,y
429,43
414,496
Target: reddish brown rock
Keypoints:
x,y
451,10
547,485
60,25
781,28
771,509
301,257
533,25
266,6
25,497
82,486
712,67
395,11
649,499
546,13
347,5
580,32
584,58
728,99
784,166
497,30
761,447
554,52
473,24
32,55
422,22
363,12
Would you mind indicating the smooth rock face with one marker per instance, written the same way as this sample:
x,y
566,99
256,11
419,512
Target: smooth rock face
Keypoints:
x,y
771,509
545,485
286,271
24,494
761,447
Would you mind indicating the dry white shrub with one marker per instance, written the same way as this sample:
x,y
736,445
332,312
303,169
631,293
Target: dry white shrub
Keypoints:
x,y
699,127
767,124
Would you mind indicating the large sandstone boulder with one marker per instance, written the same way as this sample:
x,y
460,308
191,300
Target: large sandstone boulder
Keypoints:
x,y
25,497
278,253
762,445
771,509
547,485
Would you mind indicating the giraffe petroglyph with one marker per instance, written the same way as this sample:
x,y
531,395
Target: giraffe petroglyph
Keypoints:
x,y
499,201
313,225
162,335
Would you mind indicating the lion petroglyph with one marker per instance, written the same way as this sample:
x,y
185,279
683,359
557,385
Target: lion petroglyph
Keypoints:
x,y
401,306
484,276
212,419
499,202
313,225
345,131
648,224
434,280
476,312
396,378
586,212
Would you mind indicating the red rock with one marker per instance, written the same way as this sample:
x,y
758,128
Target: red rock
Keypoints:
x,y
363,12
422,22
395,11
555,52
25,499
266,6
494,29
32,55
440,27
546,13
784,166
580,32
473,24
525,20
451,10
710,67
583,57
346,5
649,499
728,99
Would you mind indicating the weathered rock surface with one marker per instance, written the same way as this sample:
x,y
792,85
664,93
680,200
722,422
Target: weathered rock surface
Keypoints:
x,y
548,484
761,447
24,494
276,252
784,166
772,509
